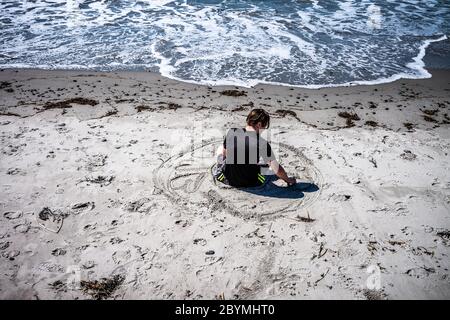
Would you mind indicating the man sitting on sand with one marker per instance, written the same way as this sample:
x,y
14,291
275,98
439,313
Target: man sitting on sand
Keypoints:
x,y
238,162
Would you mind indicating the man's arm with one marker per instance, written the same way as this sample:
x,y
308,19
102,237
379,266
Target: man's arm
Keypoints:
x,y
280,172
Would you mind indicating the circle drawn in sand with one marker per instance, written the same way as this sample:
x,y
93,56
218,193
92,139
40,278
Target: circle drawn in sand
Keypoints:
x,y
186,178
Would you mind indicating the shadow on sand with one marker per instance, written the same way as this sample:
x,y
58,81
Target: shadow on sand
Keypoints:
x,y
270,189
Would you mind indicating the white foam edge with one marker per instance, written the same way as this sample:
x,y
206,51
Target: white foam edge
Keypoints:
x,y
417,65
165,70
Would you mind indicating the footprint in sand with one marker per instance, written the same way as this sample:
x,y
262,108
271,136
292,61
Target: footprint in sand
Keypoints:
x,y
140,205
49,220
200,241
96,161
22,228
15,171
120,257
80,207
4,245
444,234
11,255
58,252
408,155
88,264
339,197
12,215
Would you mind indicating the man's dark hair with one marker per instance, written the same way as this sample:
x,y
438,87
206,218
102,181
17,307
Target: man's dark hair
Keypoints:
x,y
258,115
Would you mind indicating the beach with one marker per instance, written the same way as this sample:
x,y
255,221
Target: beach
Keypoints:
x,y
106,191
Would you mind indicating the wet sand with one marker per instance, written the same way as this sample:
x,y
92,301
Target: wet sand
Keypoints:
x,y
106,191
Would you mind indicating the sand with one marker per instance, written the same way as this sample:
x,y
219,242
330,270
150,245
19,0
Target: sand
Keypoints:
x,y
106,191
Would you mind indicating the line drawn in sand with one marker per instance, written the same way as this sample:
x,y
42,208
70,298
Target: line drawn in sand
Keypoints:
x,y
186,179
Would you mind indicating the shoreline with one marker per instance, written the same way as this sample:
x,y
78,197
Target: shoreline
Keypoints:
x,y
417,65
389,105
369,83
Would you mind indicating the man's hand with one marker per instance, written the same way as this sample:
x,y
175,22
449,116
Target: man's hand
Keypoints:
x,y
291,181
281,173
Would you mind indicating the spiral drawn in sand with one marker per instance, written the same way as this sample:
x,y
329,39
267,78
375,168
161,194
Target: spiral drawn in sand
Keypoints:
x,y
186,179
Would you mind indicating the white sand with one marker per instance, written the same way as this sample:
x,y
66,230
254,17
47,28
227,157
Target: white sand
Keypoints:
x,y
132,194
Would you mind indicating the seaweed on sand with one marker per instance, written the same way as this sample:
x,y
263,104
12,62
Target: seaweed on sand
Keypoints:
x,y
102,289
173,106
233,93
67,103
408,125
430,112
283,113
58,285
5,85
243,106
102,180
142,107
371,123
445,235
350,117
429,119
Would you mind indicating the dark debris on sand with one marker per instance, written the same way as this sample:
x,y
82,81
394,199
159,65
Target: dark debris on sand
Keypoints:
x,y
169,106
45,213
173,106
429,119
102,289
305,219
67,103
58,285
444,235
408,155
243,107
283,113
102,180
83,205
430,112
239,108
5,85
408,125
372,294
350,117
142,107
371,123
109,113
233,93
8,113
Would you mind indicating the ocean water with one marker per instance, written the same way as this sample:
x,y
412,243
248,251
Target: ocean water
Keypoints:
x,y
294,42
